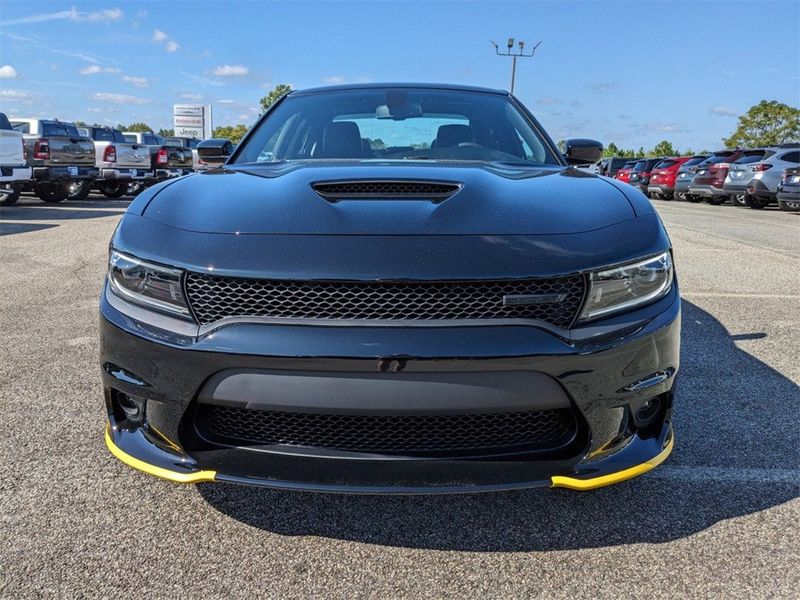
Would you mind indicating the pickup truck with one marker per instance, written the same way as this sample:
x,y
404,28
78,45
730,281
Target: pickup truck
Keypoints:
x,y
167,160
186,142
13,170
119,162
58,155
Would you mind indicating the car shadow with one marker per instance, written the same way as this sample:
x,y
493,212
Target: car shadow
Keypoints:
x,y
31,209
12,228
737,452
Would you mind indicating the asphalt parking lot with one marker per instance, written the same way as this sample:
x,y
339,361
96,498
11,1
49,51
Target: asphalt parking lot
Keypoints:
x,y
718,519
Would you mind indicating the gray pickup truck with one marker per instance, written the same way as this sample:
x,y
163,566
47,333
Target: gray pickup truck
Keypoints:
x,y
58,154
121,164
168,160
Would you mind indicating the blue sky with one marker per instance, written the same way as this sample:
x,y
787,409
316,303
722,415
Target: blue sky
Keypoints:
x,y
629,72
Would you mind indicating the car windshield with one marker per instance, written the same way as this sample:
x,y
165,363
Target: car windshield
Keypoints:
x,y
665,164
397,124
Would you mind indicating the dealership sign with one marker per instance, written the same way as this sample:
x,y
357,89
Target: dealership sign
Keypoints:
x,y
192,120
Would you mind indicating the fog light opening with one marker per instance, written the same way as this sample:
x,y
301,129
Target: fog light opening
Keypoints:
x,y
130,409
648,411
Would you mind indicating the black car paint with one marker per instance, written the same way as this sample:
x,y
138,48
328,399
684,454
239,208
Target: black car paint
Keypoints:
x,y
506,222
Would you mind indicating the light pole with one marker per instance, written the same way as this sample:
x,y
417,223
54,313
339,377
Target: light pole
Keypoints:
x,y
519,53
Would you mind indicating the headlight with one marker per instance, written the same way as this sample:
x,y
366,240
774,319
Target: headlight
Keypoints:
x,y
622,288
147,284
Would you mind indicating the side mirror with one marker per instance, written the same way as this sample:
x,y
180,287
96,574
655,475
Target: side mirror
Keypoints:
x,y
583,152
215,151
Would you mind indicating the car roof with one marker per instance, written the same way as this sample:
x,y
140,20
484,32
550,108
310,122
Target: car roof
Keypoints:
x,y
375,86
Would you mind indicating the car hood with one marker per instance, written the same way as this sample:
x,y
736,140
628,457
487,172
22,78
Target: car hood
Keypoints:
x,y
279,199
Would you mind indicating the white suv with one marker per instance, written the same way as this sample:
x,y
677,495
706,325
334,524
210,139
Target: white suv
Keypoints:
x,y
762,189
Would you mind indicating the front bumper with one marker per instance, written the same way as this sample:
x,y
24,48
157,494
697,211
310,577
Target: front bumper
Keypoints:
x,y
602,377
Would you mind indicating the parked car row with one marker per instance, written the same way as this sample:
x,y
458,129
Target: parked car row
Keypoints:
x,y
753,177
56,160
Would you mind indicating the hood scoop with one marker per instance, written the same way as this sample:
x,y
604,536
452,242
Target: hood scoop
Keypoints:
x,y
385,189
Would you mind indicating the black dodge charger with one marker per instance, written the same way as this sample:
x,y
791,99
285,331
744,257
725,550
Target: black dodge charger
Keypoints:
x,y
392,289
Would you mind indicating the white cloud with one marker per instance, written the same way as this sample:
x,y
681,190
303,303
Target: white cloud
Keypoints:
x,y
202,81
140,82
95,69
334,79
187,96
244,117
230,71
549,101
8,72
723,111
664,127
94,109
100,16
226,101
160,36
118,98
14,95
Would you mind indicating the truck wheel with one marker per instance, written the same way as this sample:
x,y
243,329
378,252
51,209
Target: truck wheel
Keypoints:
x,y
716,200
79,190
693,199
680,196
757,203
113,190
738,200
8,196
52,193
789,206
135,188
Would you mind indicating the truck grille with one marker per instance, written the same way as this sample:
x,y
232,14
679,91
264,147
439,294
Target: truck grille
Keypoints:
x,y
478,433
214,297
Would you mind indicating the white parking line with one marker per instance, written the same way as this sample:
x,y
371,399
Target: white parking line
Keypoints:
x,y
726,474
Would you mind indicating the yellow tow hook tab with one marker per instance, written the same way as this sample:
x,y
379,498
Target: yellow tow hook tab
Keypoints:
x,y
593,483
196,477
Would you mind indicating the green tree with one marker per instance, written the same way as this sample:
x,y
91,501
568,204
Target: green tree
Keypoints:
x,y
166,132
612,150
664,148
280,90
138,126
768,123
233,133
81,124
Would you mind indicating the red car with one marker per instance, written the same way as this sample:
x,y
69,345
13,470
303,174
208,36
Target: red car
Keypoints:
x,y
710,177
663,175
624,174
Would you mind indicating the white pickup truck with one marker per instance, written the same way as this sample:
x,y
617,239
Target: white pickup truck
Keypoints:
x,y
13,170
120,163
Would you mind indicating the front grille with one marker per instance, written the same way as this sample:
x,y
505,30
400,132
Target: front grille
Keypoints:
x,y
411,190
390,434
214,297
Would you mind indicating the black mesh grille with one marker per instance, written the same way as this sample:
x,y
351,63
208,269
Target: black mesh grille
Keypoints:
x,y
422,190
387,434
214,297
